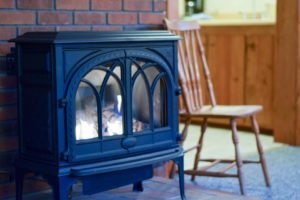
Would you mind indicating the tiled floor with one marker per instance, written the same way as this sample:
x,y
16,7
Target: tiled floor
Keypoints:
x,y
154,189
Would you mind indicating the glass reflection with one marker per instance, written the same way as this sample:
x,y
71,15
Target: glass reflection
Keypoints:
x,y
140,105
142,110
112,110
86,113
160,105
86,104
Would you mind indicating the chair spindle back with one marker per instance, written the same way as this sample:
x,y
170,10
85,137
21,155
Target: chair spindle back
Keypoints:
x,y
190,52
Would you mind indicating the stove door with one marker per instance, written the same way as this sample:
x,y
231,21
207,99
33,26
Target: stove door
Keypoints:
x,y
154,113
119,105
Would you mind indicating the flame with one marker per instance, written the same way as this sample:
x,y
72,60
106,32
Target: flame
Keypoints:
x,y
114,128
87,127
85,130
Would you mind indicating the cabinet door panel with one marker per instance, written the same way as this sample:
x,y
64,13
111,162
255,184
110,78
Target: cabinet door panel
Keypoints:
x,y
226,62
259,70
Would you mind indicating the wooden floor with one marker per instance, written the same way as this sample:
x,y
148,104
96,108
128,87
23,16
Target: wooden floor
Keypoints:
x,y
154,189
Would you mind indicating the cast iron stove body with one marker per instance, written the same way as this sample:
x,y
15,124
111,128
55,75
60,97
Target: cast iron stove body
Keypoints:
x,y
99,107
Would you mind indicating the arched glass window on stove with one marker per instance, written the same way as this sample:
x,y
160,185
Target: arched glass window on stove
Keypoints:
x,y
99,101
159,103
149,96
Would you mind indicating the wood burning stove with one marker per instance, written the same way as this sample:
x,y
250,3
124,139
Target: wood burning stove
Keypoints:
x,y
100,108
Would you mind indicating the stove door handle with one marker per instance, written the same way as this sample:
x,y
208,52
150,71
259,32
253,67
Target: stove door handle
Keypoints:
x,y
178,91
62,103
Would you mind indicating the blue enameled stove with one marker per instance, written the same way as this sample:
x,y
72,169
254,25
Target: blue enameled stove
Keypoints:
x,y
97,107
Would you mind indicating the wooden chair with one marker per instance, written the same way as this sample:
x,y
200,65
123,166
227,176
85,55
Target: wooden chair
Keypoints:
x,y
191,59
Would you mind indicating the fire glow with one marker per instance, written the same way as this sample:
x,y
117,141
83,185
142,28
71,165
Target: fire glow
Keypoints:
x,y
88,129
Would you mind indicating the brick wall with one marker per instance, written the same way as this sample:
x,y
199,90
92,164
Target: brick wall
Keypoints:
x,y
20,16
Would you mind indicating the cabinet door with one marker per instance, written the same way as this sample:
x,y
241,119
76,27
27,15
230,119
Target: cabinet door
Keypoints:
x,y
259,70
226,62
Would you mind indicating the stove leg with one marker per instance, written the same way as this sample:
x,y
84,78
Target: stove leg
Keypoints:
x,y
180,164
19,183
61,187
138,187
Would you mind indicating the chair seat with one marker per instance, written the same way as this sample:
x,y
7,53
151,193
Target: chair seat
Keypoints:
x,y
226,111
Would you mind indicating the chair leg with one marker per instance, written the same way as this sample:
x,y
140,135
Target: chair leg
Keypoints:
x,y
172,170
260,151
238,158
200,144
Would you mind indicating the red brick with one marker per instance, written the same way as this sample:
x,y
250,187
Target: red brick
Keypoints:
x,y
122,18
7,17
73,28
89,18
8,190
7,33
5,49
106,4
107,28
73,4
55,18
151,18
23,30
35,4
160,5
8,81
8,98
138,4
10,143
8,113
7,129
4,177
7,4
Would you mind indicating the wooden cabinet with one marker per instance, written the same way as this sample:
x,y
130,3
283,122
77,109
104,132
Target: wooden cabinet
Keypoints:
x,y
287,73
259,75
241,60
226,59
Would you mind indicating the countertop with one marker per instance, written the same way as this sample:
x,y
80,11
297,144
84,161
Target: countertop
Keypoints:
x,y
234,22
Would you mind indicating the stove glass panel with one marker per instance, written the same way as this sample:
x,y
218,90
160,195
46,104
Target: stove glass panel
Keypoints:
x,y
160,104
100,92
140,105
148,86
112,107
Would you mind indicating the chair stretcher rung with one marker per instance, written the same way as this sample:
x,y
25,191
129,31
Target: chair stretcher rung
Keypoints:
x,y
190,149
206,173
210,166
228,167
229,161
